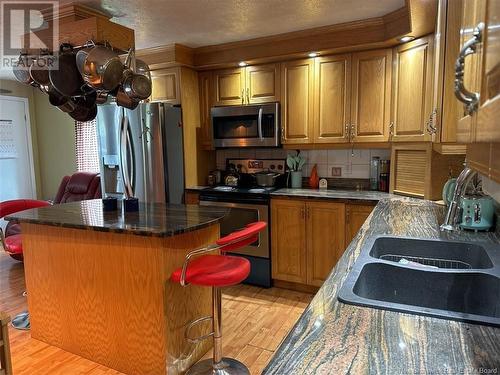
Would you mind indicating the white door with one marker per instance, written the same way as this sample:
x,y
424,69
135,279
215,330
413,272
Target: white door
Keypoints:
x,y
17,177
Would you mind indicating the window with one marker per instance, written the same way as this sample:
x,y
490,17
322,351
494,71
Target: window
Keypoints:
x,y
87,150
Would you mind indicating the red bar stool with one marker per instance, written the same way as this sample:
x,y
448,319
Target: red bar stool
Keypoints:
x,y
217,271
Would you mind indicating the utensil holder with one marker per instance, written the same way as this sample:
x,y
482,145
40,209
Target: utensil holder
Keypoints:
x,y
296,177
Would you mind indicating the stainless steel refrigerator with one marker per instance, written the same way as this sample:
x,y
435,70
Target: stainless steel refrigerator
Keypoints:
x,y
141,152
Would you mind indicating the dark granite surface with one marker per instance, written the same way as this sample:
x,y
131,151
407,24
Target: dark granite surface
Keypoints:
x,y
196,188
162,220
364,195
335,338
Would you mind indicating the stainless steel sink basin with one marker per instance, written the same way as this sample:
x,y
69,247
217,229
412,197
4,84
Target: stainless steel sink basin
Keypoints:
x,y
451,280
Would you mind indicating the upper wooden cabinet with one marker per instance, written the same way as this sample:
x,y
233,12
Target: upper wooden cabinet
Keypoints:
x,y
166,86
413,87
371,96
262,83
302,250
229,86
488,128
206,102
351,94
248,85
297,89
332,99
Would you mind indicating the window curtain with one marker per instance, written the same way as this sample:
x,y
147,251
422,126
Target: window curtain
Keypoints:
x,y
87,151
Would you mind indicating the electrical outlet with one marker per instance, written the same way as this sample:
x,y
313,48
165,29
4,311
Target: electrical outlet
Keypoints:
x,y
336,171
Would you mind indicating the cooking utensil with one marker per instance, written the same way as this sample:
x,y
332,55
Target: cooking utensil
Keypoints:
x,y
266,179
66,78
100,67
84,114
21,70
39,70
136,86
123,100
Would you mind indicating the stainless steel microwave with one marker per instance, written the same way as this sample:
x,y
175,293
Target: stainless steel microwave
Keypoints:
x,y
246,126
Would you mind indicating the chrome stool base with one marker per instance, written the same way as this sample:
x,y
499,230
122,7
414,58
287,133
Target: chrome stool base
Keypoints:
x,y
228,366
21,321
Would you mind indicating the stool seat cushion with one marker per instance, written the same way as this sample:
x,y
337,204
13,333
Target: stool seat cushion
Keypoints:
x,y
13,244
215,270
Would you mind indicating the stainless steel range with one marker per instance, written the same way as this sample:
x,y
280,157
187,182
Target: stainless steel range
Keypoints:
x,y
249,202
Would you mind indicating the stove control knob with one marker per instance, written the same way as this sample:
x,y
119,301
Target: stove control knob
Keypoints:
x,y
272,166
280,167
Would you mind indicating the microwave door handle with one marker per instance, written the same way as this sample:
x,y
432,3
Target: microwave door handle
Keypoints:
x,y
259,123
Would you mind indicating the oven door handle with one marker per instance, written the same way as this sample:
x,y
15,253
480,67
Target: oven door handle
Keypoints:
x,y
232,205
259,123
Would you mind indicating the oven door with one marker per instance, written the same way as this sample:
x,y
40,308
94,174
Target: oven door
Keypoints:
x,y
246,126
240,215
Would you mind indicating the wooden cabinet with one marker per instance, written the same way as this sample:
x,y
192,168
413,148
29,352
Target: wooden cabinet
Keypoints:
x,y
324,247
248,85
371,96
166,86
297,90
288,238
206,100
303,250
418,171
488,128
355,216
262,83
191,197
413,87
229,86
332,99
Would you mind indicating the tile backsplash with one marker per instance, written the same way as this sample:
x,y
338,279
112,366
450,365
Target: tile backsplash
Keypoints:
x,y
353,165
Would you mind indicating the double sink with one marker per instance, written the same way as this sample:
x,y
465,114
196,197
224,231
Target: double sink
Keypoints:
x,y
444,279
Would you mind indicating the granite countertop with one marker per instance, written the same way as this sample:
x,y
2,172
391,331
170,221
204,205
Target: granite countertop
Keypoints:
x,y
196,188
335,338
364,195
154,219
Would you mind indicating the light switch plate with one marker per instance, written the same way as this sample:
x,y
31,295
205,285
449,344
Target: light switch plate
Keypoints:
x,y
336,171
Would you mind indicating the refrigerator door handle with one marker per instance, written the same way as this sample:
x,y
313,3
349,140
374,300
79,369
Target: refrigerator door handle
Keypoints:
x,y
260,124
124,139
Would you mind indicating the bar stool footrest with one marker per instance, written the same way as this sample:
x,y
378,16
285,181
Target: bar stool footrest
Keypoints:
x,y
228,366
194,323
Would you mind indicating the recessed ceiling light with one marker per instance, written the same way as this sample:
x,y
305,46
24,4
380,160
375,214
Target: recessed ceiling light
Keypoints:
x,y
407,38
313,54
242,63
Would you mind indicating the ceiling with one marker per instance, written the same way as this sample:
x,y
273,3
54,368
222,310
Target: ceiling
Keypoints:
x,y
196,23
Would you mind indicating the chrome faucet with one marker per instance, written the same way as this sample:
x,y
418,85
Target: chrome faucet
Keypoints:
x,y
452,216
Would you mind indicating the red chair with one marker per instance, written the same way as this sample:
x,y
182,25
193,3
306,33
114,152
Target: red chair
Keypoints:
x,y
12,241
217,271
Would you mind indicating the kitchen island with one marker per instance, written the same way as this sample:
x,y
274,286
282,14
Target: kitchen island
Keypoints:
x,y
98,282
332,337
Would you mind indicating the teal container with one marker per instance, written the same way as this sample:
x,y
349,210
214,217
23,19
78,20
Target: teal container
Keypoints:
x,y
296,177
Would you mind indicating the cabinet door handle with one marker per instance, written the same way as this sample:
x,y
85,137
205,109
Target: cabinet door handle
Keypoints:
x,y
303,213
391,130
470,99
308,213
353,133
248,95
347,132
282,134
347,215
243,96
431,128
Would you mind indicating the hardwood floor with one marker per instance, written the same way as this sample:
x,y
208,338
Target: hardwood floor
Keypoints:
x,y
255,321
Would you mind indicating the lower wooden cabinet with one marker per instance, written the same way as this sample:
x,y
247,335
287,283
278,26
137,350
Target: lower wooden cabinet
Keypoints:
x,y
355,216
191,197
288,240
308,238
